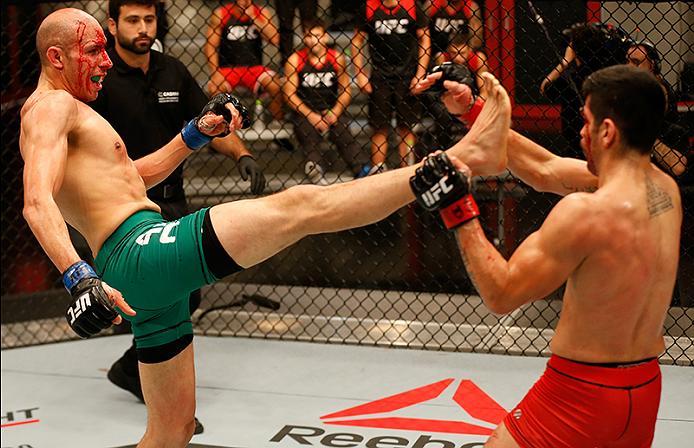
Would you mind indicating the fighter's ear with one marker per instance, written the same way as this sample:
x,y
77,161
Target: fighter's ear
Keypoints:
x,y
112,27
609,133
55,56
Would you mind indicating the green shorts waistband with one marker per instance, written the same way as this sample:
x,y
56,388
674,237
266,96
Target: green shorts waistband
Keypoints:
x,y
132,222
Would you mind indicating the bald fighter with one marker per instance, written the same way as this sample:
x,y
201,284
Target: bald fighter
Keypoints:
x,y
77,170
617,250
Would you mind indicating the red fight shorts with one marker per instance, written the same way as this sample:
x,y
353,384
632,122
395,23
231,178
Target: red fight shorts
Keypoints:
x,y
577,405
245,76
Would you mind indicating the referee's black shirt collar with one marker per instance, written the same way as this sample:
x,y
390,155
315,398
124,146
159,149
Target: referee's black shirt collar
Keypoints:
x,y
121,67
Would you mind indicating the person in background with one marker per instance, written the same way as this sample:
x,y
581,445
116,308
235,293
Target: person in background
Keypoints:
x,y
285,12
234,51
673,140
450,17
317,88
449,20
399,48
590,47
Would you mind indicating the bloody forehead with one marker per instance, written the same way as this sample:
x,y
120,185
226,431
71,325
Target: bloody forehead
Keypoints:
x,y
89,33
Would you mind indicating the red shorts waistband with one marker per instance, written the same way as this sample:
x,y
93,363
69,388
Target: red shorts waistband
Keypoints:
x,y
627,376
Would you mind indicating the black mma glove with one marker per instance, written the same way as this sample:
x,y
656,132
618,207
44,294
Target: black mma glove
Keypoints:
x,y
195,139
438,185
453,72
249,168
92,309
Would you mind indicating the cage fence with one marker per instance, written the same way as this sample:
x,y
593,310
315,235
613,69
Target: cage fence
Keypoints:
x,y
399,282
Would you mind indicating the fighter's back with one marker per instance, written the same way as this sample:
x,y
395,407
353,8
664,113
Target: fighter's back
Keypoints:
x,y
616,300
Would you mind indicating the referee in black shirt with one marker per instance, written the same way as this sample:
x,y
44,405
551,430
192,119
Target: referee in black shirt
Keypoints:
x,y
147,98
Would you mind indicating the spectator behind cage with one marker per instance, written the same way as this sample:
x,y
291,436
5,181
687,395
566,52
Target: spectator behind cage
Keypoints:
x,y
591,46
447,20
399,48
285,12
234,51
673,140
451,17
317,88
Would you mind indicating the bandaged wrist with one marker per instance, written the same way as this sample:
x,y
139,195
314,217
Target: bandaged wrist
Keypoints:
x,y
459,212
192,137
76,273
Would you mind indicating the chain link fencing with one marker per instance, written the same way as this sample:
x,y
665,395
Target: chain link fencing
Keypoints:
x,y
400,282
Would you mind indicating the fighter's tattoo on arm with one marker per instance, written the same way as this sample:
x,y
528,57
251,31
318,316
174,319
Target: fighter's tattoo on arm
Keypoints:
x,y
659,201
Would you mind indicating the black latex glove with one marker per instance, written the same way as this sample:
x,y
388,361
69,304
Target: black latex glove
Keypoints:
x,y
249,168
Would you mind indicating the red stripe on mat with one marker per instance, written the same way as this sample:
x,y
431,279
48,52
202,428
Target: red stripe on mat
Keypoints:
x,y
20,423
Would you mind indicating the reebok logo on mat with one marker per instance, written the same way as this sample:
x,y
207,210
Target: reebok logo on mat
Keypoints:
x,y
468,397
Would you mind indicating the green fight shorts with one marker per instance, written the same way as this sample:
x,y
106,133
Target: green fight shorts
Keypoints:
x,y
156,264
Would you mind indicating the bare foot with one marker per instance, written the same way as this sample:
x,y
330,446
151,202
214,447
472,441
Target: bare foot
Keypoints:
x,y
484,147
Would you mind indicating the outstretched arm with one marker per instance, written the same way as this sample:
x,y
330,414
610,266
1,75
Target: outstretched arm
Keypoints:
x,y
530,162
545,171
540,265
155,167
569,56
231,146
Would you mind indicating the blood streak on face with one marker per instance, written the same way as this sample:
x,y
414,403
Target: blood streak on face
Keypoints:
x,y
81,60
92,60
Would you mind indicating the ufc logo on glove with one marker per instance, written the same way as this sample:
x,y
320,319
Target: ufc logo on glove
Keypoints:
x,y
433,195
79,307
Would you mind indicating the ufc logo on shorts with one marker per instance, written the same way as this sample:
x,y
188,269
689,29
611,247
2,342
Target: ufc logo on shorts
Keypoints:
x,y
239,32
391,26
433,195
317,79
79,307
164,232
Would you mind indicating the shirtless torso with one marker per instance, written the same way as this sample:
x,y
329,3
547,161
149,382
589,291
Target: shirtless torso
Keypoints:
x,y
100,185
617,298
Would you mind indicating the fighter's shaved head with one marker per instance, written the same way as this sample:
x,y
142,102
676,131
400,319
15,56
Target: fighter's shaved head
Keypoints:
x,y
60,29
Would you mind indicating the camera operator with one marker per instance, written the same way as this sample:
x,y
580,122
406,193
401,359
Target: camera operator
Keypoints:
x,y
591,46
673,140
